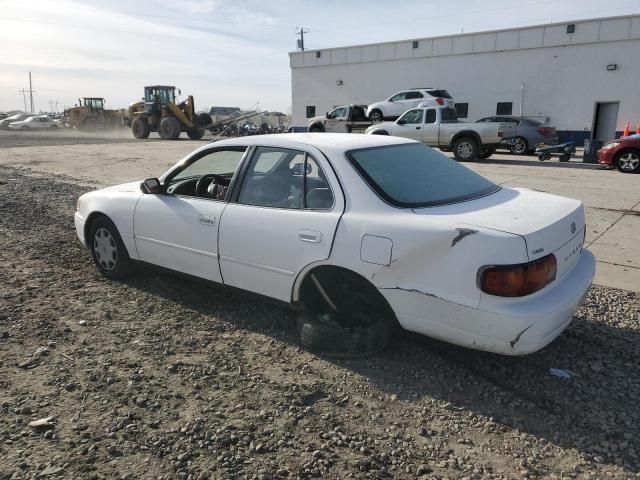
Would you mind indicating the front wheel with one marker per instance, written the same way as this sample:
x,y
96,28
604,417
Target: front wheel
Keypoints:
x,y
628,161
169,128
107,249
140,128
465,149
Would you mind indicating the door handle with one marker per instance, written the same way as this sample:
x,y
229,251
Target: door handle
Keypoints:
x,y
417,128
207,220
310,236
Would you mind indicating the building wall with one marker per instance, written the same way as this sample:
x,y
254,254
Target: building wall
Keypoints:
x,y
563,74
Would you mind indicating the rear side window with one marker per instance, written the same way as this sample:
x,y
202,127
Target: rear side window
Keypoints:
x,y
413,95
439,93
449,115
414,175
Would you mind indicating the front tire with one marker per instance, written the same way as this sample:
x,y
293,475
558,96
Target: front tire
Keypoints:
x,y
140,128
520,146
169,128
628,161
107,249
376,116
465,149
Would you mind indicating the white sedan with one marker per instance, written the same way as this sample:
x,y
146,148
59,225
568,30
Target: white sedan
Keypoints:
x,y
34,123
360,232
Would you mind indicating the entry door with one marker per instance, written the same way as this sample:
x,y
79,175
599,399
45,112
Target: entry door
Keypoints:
x,y
410,124
274,230
606,119
336,121
178,229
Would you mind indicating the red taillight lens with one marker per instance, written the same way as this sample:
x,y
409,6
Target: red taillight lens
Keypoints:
x,y
440,101
519,280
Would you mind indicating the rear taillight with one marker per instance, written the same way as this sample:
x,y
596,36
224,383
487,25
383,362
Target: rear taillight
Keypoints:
x,y
500,132
544,131
518,280
440,101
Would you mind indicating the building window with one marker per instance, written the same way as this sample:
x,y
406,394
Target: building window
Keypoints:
x,y
318,54
504,108
414,44
311,111
571,28
462,109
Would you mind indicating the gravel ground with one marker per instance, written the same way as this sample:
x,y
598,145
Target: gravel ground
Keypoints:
x,y
161,377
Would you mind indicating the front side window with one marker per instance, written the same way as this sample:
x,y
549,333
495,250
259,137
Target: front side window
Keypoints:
x,y
412,117
338,112
209,176
398,96
284,178
414,175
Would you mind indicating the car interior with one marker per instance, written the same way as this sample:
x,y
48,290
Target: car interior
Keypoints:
x,y
275,178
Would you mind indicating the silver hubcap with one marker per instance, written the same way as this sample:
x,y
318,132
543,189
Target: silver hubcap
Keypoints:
x,y
519,146
104,245
629,161
465,149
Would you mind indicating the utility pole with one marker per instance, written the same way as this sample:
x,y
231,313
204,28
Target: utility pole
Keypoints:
x,y
31,93
24,98
52,103
301,31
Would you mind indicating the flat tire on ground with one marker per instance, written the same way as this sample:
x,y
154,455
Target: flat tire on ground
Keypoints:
x,y
343,315
140,128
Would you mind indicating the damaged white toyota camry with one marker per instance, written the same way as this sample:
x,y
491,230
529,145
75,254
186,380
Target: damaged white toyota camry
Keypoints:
x,y
361,233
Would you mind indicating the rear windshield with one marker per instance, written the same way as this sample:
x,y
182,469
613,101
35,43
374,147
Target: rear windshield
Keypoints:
x,y
439,93
414,175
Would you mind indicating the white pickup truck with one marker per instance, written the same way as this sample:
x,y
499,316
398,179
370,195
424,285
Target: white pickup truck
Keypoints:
x,y
439,127
342,119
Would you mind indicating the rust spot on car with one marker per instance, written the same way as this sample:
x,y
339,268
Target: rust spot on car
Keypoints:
x,y
462,232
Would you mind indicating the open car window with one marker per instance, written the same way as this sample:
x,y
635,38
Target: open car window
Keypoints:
x,y
413,175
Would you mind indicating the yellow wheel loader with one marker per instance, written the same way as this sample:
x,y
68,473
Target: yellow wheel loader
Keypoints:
x,y
89,115
158,112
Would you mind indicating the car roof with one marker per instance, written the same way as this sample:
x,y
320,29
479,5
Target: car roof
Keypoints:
x,y
325,142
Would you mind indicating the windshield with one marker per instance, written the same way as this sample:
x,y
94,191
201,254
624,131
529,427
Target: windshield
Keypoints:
x,y
414,175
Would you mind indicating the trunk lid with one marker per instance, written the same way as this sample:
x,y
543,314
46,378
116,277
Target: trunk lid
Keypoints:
x,y
548,223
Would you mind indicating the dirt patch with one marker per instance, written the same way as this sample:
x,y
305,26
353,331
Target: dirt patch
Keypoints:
x,y
160,376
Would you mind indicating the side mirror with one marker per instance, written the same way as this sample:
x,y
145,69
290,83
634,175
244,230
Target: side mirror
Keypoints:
x,y
151,186
400,121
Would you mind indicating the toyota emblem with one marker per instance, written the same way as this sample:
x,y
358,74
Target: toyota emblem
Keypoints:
x,y
573,228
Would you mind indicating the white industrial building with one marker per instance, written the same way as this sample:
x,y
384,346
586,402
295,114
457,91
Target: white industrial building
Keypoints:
x,y
584,76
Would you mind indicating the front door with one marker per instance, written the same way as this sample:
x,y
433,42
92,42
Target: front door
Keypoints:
x,y
410,125
284,218
178,229
336,121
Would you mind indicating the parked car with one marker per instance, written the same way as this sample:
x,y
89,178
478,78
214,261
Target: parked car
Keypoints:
x,y
342,119
361,233
622,153
439,127
18,117
530,133
400,102
34,123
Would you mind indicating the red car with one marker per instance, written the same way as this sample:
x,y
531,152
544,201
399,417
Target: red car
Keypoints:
x,y
622,153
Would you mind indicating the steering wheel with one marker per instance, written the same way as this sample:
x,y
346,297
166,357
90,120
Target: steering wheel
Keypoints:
x,y
200,184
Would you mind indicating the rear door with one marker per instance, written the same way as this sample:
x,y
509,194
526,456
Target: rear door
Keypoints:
x,y
283,218
430,128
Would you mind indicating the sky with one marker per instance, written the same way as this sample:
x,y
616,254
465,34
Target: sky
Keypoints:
x,y
224,52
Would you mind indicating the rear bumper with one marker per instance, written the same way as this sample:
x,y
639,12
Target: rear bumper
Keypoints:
x,y
517,327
